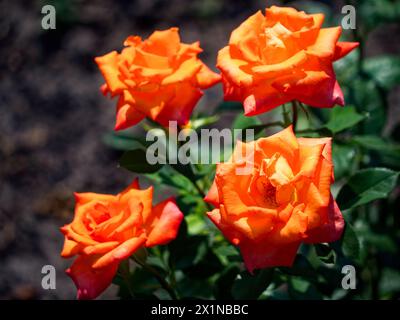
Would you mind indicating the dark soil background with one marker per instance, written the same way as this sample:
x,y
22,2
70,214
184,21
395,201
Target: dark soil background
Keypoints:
x,y
53,116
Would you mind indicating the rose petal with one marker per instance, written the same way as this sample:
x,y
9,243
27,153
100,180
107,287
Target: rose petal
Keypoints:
x,y
259,255
332,230
163,224
344,48
90,282
119,253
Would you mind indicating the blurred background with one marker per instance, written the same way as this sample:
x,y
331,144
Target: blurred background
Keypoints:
x,y
53,117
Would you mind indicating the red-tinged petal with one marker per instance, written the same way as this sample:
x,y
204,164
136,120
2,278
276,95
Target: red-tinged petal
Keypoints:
x,y
262,98
104,89
121,252
90,282
344,48
181,106
317,88
212,195
230,233
259,255
127,116
231,91
163,224
330,231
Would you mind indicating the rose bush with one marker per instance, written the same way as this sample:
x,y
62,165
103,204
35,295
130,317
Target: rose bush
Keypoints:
x,y
274,199
282,56
159,78
107,229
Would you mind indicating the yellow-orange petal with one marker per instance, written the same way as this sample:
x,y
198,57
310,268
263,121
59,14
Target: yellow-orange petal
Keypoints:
x,y
163,43
244,40
108,65
232,68
325,45
70,248
206,78
119,253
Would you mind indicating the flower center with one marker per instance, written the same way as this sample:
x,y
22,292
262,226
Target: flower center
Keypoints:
x,y
270,195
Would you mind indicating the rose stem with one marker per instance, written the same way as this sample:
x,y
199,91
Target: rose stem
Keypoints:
x,y
159,278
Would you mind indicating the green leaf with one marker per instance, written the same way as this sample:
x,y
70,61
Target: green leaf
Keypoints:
x,y
242,122
378,144
195,288
123,141
301,289
185,170
343,118
228,253
389,151
350,242
301,267
251,286
366,96
385,70
135,161
343,159
365,186
372,15
390,282
194,257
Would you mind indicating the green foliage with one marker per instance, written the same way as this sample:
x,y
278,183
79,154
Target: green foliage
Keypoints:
x,y
135,161
350,243
251,286
384,70
365,186
343,118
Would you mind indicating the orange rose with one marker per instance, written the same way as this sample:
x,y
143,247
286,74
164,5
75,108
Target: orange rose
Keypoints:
x,y
108,229
159,78
283,201
282,56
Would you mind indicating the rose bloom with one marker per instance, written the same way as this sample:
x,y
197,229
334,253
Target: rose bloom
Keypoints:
x,y
282,56
159,78
107,229
282,201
